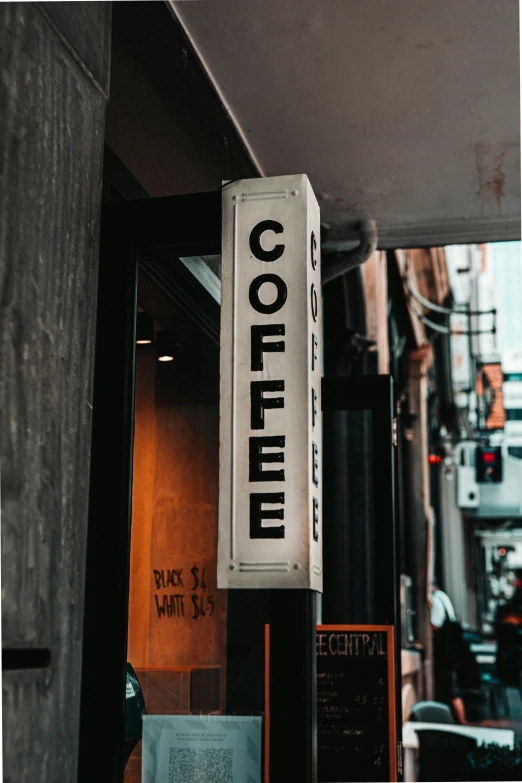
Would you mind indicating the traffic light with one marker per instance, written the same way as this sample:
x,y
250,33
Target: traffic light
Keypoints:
x,y
489,464
502,552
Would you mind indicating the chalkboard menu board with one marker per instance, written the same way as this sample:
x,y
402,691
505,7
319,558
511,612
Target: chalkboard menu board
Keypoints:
x,y
356,731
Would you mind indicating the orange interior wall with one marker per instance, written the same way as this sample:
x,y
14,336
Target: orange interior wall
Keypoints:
x,y
174,528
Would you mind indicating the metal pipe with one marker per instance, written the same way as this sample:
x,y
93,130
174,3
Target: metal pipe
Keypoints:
x,y
445,310
340,262
445,329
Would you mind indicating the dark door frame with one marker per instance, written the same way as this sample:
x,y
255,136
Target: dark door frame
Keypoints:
x,y
132,232
138,232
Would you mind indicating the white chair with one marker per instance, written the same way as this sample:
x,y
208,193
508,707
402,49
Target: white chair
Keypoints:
x,y
432,712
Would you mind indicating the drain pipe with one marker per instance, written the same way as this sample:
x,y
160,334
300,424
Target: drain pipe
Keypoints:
x,y
338,262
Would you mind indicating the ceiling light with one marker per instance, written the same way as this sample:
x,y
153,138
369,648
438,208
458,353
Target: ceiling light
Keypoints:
x,y
164,346
144,329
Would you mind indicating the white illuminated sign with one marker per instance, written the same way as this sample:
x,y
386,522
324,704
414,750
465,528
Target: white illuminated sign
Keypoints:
x,y
270,531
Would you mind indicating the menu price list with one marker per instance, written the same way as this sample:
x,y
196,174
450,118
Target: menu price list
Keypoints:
x,y
352,707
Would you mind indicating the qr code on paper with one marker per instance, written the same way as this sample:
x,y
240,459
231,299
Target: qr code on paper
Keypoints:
x,y
200,765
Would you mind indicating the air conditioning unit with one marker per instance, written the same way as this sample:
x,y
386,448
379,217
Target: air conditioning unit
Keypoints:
x,y
468,491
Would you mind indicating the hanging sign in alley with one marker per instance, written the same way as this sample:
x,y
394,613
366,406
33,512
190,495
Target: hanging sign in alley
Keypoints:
x,y
270,419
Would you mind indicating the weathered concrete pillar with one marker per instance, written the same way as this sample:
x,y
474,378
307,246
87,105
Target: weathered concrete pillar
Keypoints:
x,y
54,76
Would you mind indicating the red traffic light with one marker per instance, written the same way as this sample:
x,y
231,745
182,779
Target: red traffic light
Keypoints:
x,y
489,464
434,459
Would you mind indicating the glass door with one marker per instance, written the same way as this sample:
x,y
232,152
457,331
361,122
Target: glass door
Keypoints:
x,y
177,628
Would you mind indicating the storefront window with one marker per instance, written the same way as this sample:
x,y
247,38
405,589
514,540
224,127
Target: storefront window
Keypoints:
x,y
177,617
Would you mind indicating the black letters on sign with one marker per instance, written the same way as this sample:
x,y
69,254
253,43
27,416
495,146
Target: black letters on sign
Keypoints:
x,y
314,350
255,243
313,248
313,302
315,464
253,294
314,407
258,346
257,514
257,457
258,403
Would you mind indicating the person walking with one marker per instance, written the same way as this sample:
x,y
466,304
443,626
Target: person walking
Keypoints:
x,y
448,649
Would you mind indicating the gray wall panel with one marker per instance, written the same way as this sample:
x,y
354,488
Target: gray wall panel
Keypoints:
x,y
86,28
51,136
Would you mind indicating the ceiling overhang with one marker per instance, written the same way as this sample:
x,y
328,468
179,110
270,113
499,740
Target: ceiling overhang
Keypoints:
x,y
404,112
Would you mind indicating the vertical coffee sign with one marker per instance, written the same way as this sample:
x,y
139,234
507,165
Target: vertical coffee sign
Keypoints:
x,y
270,418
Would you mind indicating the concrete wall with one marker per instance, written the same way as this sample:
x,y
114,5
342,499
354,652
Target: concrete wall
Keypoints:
x,y
54,69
